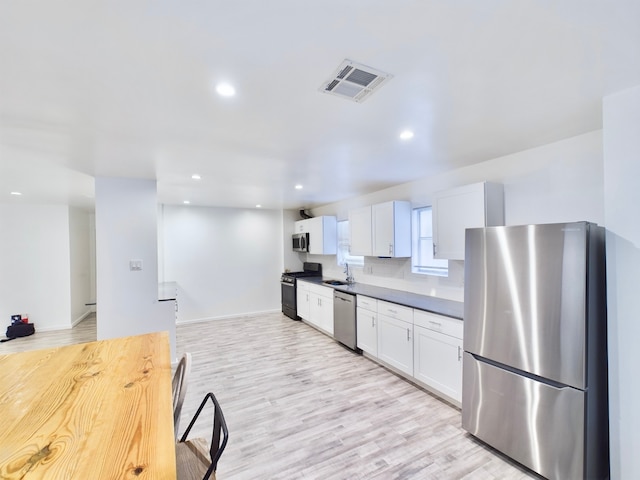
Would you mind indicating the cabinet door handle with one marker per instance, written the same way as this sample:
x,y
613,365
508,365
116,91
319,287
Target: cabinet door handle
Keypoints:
x,y
390,249
408,335
434,249
459,353
373,322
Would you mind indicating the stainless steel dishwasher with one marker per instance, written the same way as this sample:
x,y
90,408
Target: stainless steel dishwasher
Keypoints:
x,y
344,318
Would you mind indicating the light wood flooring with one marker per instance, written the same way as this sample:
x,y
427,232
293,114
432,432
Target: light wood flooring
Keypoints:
x,y
300,406
85,331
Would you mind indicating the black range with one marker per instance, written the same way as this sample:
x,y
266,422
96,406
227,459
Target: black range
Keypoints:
x,y
288,287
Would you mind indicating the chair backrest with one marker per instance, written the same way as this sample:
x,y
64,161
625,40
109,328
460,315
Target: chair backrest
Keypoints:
x,y
219,434
179,388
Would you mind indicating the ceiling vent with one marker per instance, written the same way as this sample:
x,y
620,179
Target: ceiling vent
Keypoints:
x,y
354,81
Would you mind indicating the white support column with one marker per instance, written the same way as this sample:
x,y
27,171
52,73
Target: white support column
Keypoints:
x,y
127,261
622,197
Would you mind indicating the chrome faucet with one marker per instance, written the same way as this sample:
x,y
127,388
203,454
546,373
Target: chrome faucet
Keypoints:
x,y
350,278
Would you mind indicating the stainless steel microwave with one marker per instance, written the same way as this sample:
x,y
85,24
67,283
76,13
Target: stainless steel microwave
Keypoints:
x,y
300,242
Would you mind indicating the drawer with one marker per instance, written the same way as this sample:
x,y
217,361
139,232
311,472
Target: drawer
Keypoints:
x,y
395,311
367,303
320,290
438,323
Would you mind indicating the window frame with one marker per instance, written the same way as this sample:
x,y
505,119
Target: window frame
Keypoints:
x,y
433,266
343,243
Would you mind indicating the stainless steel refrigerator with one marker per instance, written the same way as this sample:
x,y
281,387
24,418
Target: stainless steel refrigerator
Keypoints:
x,y
535,360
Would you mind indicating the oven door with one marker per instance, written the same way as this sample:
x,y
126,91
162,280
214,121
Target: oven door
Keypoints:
x,y
289,299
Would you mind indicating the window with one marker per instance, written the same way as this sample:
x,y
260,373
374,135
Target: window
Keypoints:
x,y
343,255
422,260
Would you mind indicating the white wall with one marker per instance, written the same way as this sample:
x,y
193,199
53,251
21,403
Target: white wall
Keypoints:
x,y
622,198
126,229
557,182
292,261
82,258
34,265
226,261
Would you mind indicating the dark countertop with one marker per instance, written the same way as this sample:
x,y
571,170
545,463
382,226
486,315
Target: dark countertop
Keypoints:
x,y
441,306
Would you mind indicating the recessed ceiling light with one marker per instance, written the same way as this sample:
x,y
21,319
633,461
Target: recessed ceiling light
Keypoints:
x,y
195,176
258,206
406,135
16,193
298,187
225,90
186,202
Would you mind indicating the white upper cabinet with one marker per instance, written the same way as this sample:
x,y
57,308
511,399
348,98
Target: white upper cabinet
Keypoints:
x,y
323,235
381,230
391,229
301,226
469,206
360,239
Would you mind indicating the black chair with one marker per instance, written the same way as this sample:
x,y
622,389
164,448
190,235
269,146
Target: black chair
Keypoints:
x,y
194,458
179,389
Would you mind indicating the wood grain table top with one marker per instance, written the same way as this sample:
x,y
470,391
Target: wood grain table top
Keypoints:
x,y
99,410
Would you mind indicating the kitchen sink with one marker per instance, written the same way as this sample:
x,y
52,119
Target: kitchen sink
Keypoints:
x,y
335,282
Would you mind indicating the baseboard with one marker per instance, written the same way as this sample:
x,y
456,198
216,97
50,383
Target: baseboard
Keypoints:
x,y
80,318
51,328
225,317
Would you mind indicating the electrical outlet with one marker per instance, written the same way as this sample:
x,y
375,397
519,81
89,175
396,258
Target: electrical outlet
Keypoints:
x,y
135,265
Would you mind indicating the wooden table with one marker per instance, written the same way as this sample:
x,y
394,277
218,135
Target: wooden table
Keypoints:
x,y
99,410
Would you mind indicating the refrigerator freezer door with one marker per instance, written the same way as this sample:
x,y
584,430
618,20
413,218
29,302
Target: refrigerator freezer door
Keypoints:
x,y
534,423
525,297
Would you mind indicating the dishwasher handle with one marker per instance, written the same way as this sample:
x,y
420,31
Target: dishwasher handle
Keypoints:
x,y
345,297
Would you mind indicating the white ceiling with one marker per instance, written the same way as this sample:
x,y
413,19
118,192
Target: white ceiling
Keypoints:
x,y
125,88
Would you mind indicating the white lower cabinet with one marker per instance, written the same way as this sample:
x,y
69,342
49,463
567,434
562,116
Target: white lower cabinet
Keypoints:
x,y
395,343
367,325
321,307
302,300
438,353
423,346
